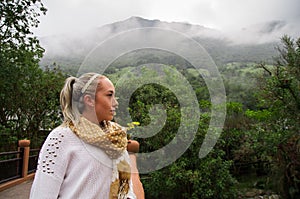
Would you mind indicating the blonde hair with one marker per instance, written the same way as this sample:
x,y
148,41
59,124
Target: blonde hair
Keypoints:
x,y
71,95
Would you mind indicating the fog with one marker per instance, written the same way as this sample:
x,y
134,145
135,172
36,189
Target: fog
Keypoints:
x,y
71,16
75,27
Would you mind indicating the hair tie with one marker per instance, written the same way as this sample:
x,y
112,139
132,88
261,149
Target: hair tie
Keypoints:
x,y
89,82
72,82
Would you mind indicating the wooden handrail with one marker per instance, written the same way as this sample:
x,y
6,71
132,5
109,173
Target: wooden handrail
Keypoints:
x,y
23,151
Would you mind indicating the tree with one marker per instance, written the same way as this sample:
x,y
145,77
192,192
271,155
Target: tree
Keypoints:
x,y
29,95
17,17
280,84
159,108
280,95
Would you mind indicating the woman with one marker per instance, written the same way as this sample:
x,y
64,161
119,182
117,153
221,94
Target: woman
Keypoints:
x,y
86,156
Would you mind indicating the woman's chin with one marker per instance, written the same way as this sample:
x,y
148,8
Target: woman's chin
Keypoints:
x,y
110,118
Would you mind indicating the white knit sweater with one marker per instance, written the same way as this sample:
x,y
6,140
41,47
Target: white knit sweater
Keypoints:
x,y
68,168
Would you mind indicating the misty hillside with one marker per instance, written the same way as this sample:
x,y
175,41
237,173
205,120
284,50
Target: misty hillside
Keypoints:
x,y
68,51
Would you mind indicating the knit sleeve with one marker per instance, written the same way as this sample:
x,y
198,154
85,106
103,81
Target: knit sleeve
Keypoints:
x,y
52,165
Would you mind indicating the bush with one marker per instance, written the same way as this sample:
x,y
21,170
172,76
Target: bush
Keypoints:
x,y
191,177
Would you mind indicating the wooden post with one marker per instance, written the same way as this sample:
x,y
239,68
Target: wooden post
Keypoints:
x,y
25,144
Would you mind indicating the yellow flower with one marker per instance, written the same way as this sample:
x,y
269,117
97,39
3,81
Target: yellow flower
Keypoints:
x,y
132,125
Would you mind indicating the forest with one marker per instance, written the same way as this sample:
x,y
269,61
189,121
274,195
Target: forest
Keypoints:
x,y
258,148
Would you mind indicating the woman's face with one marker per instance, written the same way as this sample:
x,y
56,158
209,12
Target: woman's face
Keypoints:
x,y
105,101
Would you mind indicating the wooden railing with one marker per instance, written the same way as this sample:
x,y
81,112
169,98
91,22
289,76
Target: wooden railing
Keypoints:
x,y
17,166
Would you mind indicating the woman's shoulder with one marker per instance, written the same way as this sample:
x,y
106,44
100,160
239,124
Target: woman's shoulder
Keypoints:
x,y
62,134
60,131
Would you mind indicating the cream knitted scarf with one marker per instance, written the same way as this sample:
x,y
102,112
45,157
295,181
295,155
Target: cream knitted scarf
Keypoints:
x,y
112,139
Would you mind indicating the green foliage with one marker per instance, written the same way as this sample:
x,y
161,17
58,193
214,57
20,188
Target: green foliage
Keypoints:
x,y
29,95
235,117
259,115
280,84
289,166
29,99
17,17
191,178
240,81
279,119
159,106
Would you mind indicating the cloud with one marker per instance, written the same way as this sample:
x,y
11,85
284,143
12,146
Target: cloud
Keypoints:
x,y
81,15
239,14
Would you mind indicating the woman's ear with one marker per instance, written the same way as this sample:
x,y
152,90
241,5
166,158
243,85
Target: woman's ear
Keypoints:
x,y
89,101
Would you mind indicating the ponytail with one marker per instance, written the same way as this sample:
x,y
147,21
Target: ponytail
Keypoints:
x,y
66,101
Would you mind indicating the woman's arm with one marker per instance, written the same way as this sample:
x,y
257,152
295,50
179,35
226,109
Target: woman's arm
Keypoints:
x,y
135,177
51,167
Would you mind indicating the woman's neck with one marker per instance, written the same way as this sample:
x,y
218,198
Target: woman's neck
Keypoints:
x,y
91,117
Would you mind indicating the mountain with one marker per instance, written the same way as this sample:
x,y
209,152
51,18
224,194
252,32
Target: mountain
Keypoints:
x,y
238,46
61,45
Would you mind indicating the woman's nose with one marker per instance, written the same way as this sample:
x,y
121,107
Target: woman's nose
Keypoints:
x,y
115,102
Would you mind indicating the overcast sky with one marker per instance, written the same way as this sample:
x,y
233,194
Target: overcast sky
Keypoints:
x,y
81,15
